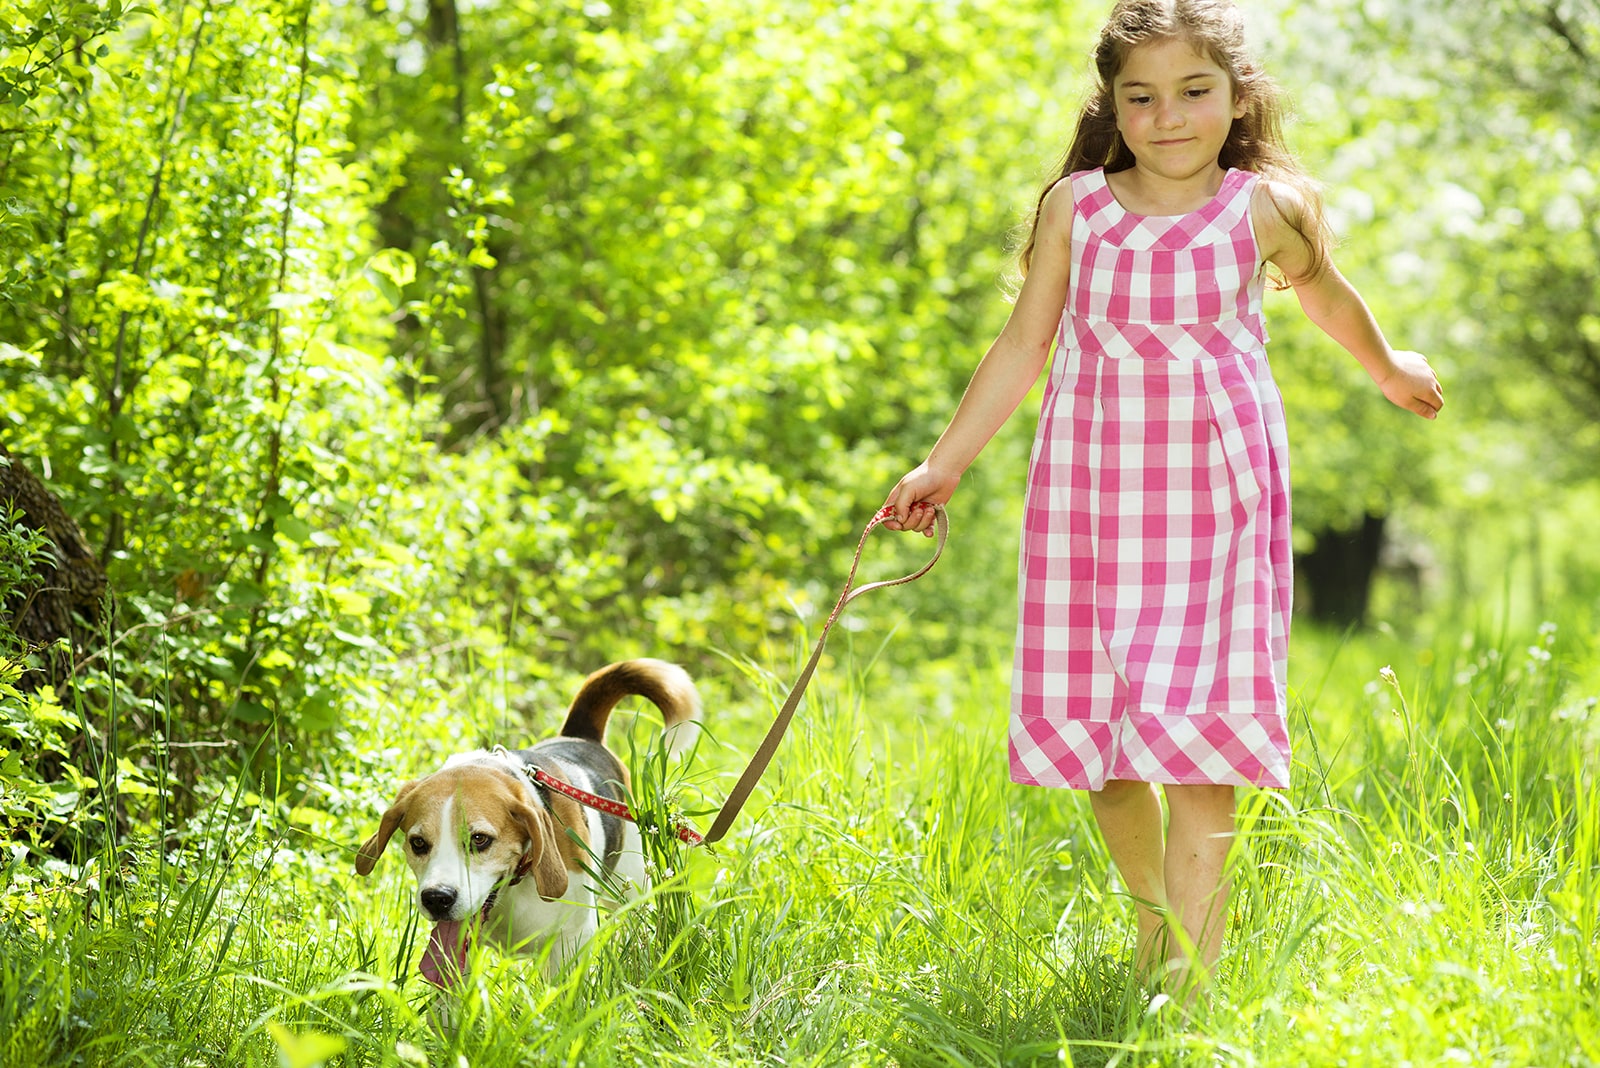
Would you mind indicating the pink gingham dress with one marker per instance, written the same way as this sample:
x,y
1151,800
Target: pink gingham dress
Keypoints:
x,y
1152,639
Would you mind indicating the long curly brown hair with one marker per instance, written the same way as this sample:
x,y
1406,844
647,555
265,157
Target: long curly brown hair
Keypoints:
x,y
1213,28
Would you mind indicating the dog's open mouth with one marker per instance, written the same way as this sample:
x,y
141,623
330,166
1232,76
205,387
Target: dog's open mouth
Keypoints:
x,y
445,959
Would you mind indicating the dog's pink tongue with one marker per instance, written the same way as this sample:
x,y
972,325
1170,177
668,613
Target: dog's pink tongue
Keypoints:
x,y
445,959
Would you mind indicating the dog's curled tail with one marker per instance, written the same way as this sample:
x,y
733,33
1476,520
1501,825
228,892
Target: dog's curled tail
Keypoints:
x,y
666,685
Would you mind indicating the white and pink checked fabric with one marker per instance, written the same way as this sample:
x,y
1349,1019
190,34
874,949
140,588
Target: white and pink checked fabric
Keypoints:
x,y
1152,641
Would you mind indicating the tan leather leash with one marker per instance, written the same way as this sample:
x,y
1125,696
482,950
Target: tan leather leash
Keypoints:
x,y
769,745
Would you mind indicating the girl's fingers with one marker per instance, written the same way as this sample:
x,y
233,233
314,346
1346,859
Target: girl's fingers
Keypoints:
x,y
1432,400
902,508
918,518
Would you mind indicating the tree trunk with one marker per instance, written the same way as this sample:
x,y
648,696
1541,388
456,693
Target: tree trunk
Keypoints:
x,y
66,599
1338,572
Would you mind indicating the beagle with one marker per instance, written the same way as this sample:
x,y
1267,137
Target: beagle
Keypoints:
x,y
489,845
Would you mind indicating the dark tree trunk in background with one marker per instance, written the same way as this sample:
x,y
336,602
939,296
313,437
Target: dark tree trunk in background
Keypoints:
x,y
67,598
1338,572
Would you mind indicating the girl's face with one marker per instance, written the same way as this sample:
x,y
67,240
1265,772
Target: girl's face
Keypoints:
x,y
1174,108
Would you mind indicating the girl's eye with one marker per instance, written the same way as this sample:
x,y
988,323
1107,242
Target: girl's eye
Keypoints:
x,y
1138,101
481,841
419,844
1196,94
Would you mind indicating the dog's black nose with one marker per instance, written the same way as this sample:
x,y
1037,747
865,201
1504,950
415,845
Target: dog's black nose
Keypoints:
x,y
437,900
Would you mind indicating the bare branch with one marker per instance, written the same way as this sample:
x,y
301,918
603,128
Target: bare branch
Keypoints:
x,y
1558,24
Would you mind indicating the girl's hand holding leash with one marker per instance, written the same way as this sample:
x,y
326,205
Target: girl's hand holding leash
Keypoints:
x,y
915,498
1412,385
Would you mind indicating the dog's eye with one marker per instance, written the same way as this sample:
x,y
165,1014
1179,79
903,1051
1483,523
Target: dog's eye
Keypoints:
x,y
481,841
419,845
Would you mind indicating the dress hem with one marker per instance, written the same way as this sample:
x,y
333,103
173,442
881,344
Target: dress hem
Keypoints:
x,y
1067,784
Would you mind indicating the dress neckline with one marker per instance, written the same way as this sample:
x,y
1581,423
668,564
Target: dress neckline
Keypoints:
x,y
1222,191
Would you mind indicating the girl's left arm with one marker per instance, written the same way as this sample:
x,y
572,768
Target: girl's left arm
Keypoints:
x,y
1334,305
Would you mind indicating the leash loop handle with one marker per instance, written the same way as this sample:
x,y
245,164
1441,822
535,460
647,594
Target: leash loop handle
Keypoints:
x,y
769,745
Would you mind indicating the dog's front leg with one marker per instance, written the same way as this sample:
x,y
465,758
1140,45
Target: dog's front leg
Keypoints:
x,y
444,1014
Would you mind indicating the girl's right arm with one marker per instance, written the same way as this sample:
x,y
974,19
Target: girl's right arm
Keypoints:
x,y
1008,370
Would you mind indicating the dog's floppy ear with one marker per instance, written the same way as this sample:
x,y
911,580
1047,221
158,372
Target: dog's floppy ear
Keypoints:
x,y
374,846
542,858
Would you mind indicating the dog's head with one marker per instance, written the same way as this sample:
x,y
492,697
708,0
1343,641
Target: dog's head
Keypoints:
x,y
466,832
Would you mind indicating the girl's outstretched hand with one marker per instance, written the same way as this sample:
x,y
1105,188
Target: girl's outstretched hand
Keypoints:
x,y
1413,385
914,497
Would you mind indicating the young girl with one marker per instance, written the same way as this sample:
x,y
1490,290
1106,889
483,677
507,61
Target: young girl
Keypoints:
x,y
1152,641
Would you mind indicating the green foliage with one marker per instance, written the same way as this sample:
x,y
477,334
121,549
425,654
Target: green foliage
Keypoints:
x,y
35,729
21,548
266,348
48,53
730,259
43,795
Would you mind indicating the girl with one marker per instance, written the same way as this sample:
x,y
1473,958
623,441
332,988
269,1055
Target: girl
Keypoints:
x,y
1152,640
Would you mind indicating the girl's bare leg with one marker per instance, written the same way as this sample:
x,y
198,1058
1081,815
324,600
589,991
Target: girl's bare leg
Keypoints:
x,y
1129,815
1200,833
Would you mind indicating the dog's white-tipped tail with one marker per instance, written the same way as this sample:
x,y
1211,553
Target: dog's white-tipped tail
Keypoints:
x,y
667,686
681,734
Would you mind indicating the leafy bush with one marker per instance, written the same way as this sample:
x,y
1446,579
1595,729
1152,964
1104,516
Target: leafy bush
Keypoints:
x,y
42,795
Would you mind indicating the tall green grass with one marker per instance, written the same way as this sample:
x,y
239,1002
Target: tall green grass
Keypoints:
x,y
1427,893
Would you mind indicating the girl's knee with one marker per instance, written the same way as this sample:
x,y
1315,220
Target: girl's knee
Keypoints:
x,y
1201,801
